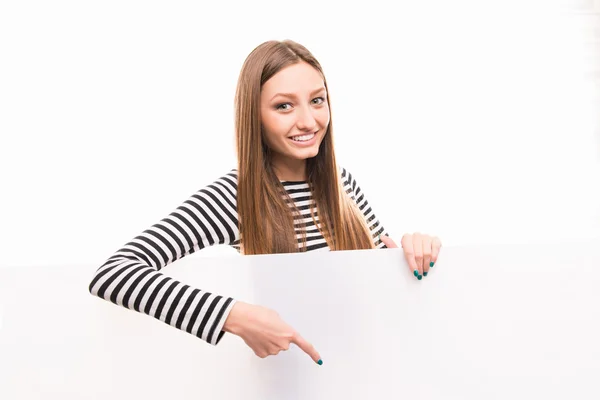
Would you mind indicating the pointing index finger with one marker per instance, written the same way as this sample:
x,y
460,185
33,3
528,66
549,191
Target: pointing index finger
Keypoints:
x,y
307,348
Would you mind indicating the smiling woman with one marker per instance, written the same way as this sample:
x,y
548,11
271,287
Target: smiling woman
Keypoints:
x,y
287,195
289,137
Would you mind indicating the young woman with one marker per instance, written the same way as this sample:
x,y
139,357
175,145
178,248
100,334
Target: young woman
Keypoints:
x,y
287,195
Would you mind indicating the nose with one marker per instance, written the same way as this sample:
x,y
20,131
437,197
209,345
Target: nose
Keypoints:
x,y
306,120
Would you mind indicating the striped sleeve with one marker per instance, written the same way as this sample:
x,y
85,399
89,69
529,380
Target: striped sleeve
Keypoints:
x,y
130,277
354,191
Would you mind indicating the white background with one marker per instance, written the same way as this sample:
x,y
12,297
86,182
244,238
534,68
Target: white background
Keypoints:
x,y
476,121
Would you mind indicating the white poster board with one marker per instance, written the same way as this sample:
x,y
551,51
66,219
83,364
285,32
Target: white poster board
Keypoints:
x,y
491,322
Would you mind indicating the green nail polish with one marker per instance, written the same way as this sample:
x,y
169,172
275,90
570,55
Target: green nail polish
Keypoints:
x,y
419,277
320,362
424,273
416,272
431,264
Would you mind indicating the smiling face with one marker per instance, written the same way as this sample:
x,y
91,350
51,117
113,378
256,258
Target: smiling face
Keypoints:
x,y
294,116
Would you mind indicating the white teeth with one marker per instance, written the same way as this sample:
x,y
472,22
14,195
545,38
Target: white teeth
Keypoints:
x,y
303,138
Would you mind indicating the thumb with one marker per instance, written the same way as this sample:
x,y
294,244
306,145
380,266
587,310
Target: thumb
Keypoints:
x,y
387,241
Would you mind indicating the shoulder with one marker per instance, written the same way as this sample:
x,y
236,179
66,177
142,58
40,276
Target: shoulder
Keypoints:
x,y
232,174
229,178
225,185
348,180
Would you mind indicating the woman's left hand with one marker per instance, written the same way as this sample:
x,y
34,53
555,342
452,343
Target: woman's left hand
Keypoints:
x,y
421,251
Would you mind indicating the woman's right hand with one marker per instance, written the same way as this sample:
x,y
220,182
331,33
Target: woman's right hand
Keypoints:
x,y
264,331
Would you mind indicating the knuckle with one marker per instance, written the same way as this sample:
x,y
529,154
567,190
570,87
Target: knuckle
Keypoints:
x,y
272,350
283,344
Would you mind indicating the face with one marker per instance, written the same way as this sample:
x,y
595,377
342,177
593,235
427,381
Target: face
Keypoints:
x,y
294,113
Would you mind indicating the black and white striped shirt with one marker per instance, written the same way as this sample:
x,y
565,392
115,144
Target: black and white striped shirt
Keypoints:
x,y
131,277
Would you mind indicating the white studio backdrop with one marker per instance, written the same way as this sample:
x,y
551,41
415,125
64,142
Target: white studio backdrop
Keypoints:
x,y
476,121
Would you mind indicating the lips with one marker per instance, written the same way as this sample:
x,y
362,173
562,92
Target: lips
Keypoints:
x,y
303,134
304,138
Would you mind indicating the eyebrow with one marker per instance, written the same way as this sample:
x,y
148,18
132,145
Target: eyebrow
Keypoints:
x,y
294,96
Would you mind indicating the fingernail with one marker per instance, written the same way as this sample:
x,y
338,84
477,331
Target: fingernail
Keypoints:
x,y
431,264
419,277
424,273
416,272
320,362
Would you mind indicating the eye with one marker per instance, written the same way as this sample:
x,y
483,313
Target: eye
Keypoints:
x,y
278,107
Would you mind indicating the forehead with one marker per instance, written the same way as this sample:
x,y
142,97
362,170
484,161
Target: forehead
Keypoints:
x,y
297,78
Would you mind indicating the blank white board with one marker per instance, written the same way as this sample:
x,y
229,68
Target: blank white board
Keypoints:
x,y
491,322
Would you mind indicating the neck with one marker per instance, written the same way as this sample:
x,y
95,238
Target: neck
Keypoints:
x,y
290,169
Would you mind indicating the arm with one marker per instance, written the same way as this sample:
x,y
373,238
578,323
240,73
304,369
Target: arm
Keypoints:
x,y
354,191
131,277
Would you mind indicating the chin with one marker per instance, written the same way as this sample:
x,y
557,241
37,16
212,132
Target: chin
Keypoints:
x,y
308,153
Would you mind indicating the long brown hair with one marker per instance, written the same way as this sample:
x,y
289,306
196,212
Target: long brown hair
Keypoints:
x,y
265,211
